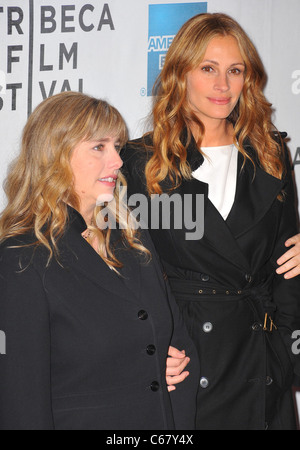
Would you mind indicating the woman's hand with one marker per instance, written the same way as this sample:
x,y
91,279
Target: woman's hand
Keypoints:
x,y
176,363
290,261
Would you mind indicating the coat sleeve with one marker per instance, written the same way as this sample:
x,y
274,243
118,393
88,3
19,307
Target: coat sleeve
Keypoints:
x,y
25,391
286,293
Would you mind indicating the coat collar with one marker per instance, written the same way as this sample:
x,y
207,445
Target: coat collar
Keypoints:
x,y
217,234
256,189
84,258
194,157
256,192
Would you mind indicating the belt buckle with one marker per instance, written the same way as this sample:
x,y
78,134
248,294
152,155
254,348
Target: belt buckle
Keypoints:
x,y
271,324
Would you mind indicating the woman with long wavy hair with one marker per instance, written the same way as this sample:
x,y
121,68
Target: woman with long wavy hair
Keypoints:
x,y
87,316
213,138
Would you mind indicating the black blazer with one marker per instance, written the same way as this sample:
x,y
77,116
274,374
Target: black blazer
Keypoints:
x,y
86,349
225,284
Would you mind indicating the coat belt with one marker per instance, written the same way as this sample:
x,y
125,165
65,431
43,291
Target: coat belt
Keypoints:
x,y
260,293
192,287
195,287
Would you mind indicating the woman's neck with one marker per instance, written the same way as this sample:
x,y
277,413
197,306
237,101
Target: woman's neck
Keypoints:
x,y
216,134
87,213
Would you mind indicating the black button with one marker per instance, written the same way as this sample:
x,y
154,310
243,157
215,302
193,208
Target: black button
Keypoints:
x,y
208,327
151,349
143,315
154,386
205,278
204,383
269,381
256,326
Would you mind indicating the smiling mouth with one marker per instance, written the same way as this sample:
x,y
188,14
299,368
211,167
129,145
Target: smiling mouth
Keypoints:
x,y
220,101
108,180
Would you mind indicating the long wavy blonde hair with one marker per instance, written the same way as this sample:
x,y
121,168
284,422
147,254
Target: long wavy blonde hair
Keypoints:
x,y
172,113
40,182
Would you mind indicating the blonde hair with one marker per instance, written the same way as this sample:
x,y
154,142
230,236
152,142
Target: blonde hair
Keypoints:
x,y
172,113
40,182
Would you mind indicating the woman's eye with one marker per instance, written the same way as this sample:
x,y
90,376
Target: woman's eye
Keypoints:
x,y
235,71
118,148
98,148
207,69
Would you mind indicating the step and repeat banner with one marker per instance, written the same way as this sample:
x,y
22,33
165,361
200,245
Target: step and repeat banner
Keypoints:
x,y
114,50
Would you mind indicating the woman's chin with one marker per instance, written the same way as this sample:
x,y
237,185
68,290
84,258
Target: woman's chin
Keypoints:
x,y
104,198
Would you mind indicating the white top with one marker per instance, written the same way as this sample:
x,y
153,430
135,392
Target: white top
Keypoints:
x,y
219,171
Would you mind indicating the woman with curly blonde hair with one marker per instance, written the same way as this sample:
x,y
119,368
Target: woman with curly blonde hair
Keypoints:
x,y
213,137
87,316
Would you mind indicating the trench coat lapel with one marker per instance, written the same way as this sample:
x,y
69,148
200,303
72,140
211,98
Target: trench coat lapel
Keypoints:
x,y
255,194
217,234
254,197
85,259
216,231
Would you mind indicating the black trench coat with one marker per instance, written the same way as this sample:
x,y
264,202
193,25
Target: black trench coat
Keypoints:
x,y
86,349
229,294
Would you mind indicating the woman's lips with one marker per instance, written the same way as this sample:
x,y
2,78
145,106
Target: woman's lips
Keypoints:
x,y
219,101
109,181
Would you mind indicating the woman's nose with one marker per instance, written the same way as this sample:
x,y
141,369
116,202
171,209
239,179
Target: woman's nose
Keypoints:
x,y
222,83
116,162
